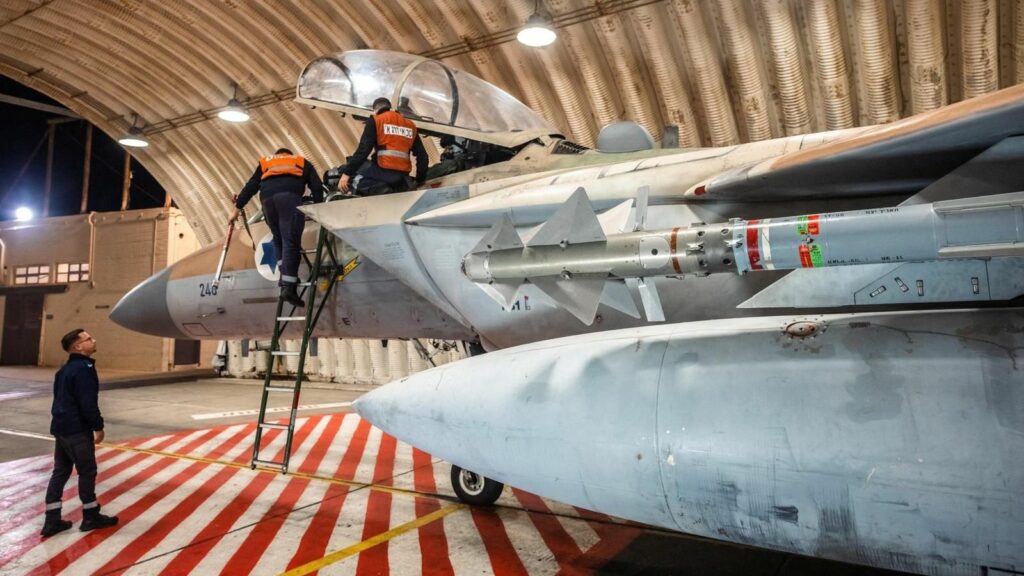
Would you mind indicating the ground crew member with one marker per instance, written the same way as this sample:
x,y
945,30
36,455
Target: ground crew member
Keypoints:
x,y
77,425
281,180
394,137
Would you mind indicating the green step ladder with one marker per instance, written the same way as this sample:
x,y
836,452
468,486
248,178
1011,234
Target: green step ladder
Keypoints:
x,y
307,290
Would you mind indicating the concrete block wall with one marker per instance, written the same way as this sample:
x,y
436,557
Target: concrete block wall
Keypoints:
x,y
345,361
123,249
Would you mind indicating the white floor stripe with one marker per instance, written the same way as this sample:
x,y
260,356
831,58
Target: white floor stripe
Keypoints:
x,y
274,410
579,530
352,519
466,549
368,463
192,526
222,552
403,469
284,544
24,434
51,547
404,550
99,555
336,450
527,541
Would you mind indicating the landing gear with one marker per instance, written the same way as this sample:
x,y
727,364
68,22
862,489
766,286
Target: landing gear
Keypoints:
x,y
473,488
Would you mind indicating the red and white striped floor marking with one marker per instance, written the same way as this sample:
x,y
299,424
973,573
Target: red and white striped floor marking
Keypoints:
x,y
188,503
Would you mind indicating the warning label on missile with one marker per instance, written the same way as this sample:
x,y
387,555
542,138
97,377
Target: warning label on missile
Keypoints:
x,y
810,256
808,225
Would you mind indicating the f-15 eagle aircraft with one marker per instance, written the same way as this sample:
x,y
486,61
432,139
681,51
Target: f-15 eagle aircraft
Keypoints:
x,y
890,439
536,237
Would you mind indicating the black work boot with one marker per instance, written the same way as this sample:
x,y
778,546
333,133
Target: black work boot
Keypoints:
x,y
92,519
53,524
291,295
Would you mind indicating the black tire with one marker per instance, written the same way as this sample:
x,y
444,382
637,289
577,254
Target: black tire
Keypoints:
x,y
475,489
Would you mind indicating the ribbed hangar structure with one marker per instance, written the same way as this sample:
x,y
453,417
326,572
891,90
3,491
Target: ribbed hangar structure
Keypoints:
x,y
723,71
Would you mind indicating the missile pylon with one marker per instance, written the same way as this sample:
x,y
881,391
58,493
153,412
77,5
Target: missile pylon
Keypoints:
x,y
572,256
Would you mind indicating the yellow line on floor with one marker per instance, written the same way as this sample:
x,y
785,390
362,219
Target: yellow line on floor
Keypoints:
x,y
350,483
371,542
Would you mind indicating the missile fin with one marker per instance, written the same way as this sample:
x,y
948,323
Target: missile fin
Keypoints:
x,y
616,295
502,235
615,220
649,297
573,223
643,193
580,295
500,292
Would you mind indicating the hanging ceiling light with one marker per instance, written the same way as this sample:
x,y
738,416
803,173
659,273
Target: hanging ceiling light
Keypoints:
x,y
234,112
134,138
539,29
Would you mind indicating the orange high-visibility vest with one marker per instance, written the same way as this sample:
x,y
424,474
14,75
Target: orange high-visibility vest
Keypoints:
x,y
281,164
395,137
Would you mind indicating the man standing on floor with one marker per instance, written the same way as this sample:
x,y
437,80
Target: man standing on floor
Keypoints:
x,y
281,180
77,426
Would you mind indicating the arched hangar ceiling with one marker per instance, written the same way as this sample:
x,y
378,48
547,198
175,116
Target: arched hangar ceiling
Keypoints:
x,y
724,71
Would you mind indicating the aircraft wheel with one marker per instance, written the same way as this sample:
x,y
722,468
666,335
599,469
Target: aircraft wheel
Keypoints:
x,y
473,488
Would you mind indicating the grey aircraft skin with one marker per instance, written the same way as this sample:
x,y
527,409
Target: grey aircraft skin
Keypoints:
x,y
420,276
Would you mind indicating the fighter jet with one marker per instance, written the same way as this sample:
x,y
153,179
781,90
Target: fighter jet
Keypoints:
x,y
875,435
427,262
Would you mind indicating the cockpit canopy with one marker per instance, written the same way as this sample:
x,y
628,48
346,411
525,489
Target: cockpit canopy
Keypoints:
x,y
436,97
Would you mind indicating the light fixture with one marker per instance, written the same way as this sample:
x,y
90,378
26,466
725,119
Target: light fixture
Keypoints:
x,y
234,112
134,138
23,214
539,29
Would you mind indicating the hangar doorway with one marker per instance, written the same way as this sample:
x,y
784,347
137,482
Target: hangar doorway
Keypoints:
x,y
186,352
23,327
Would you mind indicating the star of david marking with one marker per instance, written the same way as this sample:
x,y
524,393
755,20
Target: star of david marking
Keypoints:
x,y
269,256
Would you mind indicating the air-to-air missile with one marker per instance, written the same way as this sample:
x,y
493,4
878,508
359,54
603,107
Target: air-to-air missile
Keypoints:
x,y
892,440
572,259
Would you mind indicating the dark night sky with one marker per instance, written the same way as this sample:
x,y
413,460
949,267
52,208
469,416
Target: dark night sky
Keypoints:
x,y
23,128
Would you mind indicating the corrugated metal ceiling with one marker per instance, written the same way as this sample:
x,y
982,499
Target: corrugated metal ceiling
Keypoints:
x,y
724,71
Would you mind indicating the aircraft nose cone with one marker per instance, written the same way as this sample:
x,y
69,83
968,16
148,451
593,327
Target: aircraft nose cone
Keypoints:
x,y
145,310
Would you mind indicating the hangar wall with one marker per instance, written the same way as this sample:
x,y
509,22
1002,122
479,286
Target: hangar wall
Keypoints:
x,y
121,250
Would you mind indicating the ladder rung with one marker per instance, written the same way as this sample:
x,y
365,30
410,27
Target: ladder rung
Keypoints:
x,y
290,318
283,353
273,426
279,389
304,284
310,251
256,462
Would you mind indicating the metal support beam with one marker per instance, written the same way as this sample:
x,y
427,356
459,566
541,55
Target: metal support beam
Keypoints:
x,y
51,133
86,164
126,186
26,103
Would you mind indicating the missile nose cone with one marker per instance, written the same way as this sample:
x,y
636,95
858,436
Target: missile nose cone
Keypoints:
x,y
145,310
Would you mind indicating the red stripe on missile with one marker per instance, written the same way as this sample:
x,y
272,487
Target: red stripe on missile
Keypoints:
x,y
673,242
753,249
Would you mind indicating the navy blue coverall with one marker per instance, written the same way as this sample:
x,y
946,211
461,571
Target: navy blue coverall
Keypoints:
x,y
76,415
281,196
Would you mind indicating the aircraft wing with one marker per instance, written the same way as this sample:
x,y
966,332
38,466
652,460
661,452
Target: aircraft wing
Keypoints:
x,y
903,156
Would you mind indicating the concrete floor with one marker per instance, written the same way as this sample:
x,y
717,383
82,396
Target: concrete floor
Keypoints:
x,y
175,469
